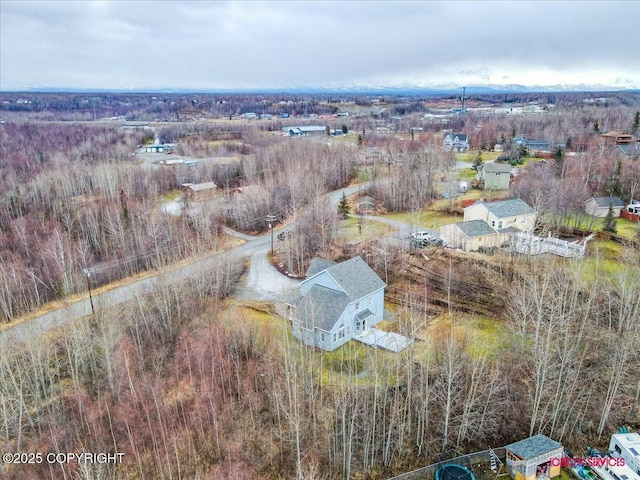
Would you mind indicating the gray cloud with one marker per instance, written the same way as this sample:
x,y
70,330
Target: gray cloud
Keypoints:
x,y
139,44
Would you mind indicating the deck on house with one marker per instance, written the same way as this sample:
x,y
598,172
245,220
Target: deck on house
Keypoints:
x,y
393,342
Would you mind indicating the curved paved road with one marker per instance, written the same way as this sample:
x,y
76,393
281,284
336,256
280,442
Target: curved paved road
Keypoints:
x,y
260,278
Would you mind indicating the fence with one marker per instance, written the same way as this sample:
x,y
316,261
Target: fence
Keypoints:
x,y
629,216
464,460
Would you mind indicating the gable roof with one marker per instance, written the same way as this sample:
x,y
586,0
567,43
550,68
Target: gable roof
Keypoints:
x,y
509,208
356,278
317,265
461,136
475,228
496,167
321,307
605,202
533,447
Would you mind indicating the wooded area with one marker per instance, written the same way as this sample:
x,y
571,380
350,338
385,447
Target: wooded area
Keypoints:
x,y
188,382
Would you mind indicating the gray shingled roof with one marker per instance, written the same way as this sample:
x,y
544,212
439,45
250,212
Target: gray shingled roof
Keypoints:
x,y
318,265
497,167
475,228
604,202
356,278
509,208
461,136
321,307
533,447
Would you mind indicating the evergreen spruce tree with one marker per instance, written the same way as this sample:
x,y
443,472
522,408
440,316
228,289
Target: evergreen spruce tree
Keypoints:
x,y
343,206
610,221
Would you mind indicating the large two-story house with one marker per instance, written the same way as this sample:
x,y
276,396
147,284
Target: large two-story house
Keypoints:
x,y
489,225
337,302
456,142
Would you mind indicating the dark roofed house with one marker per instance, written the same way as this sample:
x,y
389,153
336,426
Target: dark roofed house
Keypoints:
x,y
533,145
456,142
631,150
501,215
599,206
533,458
337,302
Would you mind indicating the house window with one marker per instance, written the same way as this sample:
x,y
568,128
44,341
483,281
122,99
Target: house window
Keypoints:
x,y
500,224
493,223
334,338
357,305
341,332
322,336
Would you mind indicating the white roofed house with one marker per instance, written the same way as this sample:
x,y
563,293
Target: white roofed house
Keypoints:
x,y
305,130
337,302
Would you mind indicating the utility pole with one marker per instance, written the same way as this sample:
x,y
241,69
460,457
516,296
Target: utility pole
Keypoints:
x,y
271,219
464,89
87,272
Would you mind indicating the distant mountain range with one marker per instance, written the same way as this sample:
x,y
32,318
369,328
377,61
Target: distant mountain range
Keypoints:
x,y
350,90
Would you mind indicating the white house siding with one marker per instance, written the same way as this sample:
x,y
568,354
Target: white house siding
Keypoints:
x,y
592,209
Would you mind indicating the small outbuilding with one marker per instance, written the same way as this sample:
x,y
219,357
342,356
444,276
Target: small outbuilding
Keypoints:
x,y
495,176
534,458
365,205
195,192
599,206
158,148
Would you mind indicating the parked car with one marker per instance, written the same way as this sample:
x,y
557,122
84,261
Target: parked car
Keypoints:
x,y
284,235
422,236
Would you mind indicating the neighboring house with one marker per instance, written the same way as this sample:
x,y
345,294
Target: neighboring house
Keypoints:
x,y
305,130
158,148
532,145
494,176
630,150
506,216
194,192
531,458
618,138
469,236
365,205
599,206
337,302
456,142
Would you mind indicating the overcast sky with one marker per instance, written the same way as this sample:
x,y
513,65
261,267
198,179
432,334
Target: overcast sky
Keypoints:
x,y
211,45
